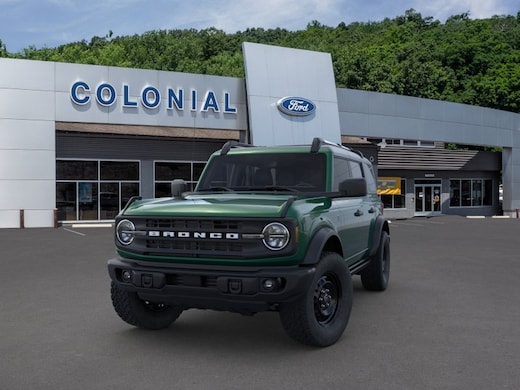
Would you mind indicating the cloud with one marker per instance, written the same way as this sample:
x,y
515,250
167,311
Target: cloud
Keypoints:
x,y
54,22
235,16
478,9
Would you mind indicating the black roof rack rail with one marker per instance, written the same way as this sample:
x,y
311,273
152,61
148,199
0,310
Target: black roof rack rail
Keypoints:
x,y
358,152
318,142
232,144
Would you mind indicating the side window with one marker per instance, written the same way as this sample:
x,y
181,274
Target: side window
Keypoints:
x,y
356,169
341,172
370,178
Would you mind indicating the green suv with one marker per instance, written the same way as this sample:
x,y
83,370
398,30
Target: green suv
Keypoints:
x,y
279,228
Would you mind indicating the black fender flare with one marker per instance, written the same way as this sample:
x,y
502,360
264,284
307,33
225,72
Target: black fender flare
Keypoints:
x,y
315,248
379,225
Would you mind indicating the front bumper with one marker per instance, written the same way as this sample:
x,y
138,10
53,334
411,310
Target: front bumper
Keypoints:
x,y
237,289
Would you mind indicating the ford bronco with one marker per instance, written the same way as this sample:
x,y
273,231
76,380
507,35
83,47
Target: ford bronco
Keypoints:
x,y
281,228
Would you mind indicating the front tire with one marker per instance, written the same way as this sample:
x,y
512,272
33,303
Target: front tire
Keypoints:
x,y
376,275
143,314
319,317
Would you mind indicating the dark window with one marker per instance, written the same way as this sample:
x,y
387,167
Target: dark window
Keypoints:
x,y
119,170
471,192
167,171
76,170
82,194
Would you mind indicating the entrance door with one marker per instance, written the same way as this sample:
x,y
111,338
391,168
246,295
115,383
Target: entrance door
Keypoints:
x,y
427,199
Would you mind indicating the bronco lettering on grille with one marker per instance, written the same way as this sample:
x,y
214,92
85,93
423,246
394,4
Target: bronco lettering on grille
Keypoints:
x,y
196,235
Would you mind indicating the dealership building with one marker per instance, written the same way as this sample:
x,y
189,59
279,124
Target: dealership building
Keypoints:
x,y
77,141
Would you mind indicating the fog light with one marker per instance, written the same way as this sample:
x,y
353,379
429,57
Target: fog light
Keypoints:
x,y
269,284
126,276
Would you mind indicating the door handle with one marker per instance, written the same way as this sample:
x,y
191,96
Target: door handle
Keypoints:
x,y
358,213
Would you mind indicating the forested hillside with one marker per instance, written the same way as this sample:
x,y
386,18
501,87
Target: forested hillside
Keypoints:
x,y
474,61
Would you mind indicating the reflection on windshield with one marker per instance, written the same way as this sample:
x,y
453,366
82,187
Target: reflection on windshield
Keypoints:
x,y
302,172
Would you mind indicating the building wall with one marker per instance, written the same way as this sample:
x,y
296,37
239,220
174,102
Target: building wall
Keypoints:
x,y
37,99
366,114
35,96
27,152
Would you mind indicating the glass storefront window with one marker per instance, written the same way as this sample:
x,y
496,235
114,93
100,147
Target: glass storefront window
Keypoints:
x,y
167,171
395,201
163,190
487,198
465,193
119,170
94,190
109,197
76,170
172,170
128,190
471,192
88,201
197,170
66,201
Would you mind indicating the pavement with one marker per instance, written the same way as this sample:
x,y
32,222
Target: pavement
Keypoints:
x,y
448,320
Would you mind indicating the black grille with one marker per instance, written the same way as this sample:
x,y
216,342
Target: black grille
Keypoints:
x,y
203,237
206,225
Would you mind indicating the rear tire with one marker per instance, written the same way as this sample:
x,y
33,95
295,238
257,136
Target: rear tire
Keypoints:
x,y
319,317
143,314
376,275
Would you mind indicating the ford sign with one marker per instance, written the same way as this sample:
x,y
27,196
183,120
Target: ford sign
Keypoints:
x,y
296,106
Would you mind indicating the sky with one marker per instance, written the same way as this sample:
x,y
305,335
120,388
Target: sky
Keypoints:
x,y
50,23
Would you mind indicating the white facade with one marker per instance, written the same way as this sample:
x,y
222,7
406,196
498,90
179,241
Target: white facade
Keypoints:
x,y
273,73
34,95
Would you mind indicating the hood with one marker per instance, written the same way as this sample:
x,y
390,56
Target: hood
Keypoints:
x,y
204,205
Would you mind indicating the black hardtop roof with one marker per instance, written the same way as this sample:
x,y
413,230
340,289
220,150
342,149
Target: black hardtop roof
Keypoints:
x,y
317,144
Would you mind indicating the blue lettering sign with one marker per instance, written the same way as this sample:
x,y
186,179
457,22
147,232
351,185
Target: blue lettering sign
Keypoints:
x,y
176,99
227,107
150,97
193,100
126,97
105,94
79,93
210,102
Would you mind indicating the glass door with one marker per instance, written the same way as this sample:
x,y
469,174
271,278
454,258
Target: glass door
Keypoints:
x,y
427,199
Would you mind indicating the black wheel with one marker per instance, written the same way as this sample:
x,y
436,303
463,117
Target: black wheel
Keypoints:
x,y
143,314
375,276
320,316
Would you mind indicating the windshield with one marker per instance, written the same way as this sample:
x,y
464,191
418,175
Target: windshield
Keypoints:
x,y
302,172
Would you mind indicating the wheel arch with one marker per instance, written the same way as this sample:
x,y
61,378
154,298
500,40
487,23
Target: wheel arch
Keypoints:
x,y
381,224
325,239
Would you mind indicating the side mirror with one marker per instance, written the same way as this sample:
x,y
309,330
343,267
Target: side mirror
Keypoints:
x,y
178,188
353,187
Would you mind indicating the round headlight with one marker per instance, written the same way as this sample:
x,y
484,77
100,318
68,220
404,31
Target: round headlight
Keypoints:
x,y
125,232
276,236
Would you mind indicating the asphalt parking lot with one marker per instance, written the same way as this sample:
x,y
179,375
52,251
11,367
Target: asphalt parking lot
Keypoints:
x,y
450,319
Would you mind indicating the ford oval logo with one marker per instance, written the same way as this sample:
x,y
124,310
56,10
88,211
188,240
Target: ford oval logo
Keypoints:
x,y
296,106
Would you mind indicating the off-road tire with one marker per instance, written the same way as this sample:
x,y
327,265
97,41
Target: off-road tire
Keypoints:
x,y
376,275
319,317
143,314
